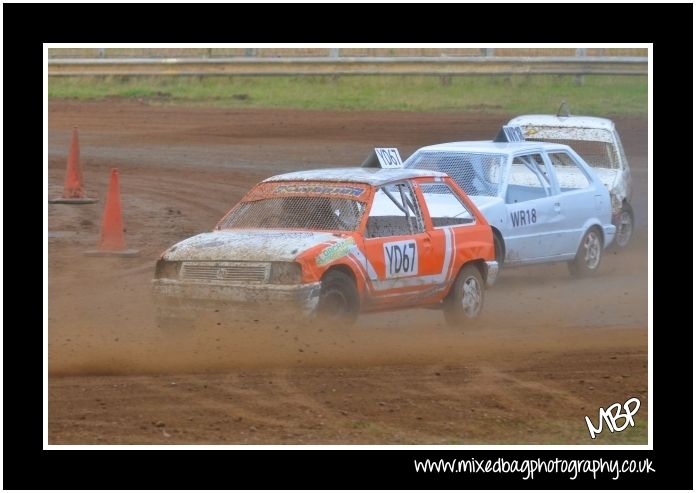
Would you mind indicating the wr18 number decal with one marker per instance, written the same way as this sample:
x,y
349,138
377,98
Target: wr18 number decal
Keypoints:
x,y
523,217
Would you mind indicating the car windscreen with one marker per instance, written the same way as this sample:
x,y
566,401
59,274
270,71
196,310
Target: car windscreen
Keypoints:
x,y
289,206
475,173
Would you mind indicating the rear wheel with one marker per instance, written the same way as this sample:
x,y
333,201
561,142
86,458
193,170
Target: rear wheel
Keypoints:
x,y
465,300
339,301
589,254
624,226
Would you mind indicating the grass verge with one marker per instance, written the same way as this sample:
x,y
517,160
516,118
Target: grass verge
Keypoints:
x,y
599,95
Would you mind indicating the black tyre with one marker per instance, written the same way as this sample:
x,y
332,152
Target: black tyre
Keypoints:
x,y
465,300
339,301
589,254
624,227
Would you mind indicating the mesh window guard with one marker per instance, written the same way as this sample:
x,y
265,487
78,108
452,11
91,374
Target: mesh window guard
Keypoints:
x,y
296,212
475,173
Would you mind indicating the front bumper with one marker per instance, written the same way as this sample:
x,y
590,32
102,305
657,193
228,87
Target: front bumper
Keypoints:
x,y
185,299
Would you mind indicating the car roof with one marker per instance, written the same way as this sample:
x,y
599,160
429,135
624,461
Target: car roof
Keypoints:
x,y
563,121
490,147
370,176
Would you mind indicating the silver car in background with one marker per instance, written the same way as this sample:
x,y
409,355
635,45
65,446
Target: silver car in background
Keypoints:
x,y
598,143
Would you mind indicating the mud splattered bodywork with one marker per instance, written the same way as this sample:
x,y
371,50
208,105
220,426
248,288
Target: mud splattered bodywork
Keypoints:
x,y
240,245
597,141
275,248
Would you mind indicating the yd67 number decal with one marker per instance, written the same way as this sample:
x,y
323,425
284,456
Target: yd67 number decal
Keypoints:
x,y
401,258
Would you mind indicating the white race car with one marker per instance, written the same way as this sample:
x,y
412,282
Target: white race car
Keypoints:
x,y
543,201
597,142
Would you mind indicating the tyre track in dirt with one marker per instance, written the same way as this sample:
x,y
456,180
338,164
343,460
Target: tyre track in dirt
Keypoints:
x,y
222,399
333,417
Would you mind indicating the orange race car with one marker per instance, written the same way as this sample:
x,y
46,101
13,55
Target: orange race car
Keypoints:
x,y
332,243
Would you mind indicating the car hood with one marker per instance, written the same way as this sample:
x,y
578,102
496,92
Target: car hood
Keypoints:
x,y
251,245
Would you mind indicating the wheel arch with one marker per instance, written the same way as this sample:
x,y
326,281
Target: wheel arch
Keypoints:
x,y
589,224
499,235
350,272
480,265
346,269
352,300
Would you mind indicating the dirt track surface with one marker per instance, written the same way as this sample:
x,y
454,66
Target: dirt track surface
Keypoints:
x,y
549,351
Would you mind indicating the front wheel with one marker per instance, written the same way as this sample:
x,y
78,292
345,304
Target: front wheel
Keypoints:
x,y
339,301
465,300
589,254
624,226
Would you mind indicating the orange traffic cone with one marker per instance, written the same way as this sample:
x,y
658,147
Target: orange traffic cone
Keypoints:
x,y
112,241
73,189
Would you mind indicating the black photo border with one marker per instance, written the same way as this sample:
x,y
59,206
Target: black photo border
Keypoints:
x,y
29,26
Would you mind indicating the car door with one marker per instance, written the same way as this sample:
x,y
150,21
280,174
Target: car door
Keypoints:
x,y
577,201
445,214
399,253
532,211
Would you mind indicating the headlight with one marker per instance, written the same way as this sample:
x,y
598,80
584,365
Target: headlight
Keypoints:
x,y
285,273
167,269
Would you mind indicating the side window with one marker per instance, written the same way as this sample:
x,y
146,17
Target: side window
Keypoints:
x,y
394,212
444,206
568,173
528,179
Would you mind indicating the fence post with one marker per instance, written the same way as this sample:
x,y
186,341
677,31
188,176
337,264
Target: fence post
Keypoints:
x,y
580,78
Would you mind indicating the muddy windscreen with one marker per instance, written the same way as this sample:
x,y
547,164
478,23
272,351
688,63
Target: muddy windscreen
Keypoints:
x,y
475,173
310,206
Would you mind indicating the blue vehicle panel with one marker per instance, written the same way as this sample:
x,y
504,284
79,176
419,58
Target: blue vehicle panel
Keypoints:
x,y
542,199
